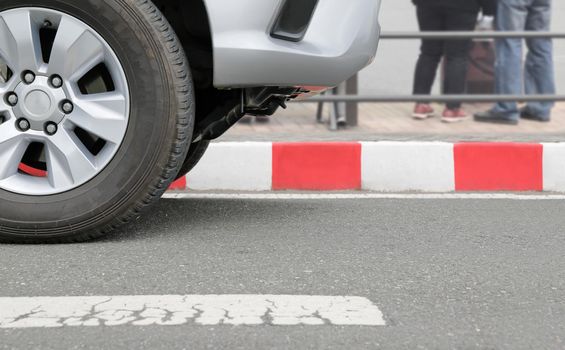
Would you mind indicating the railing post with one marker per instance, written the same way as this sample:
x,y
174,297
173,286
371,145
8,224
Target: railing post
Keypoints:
x,y
352,108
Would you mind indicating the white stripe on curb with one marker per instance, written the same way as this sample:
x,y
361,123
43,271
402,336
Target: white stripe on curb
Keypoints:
x,y
171,310
326,196
246,166
408,166
554,167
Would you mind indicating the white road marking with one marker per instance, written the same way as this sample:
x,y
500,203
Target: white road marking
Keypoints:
x,y
173,310
325,196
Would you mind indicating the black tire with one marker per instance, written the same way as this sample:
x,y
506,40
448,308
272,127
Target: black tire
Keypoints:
x,y
195,154
156,142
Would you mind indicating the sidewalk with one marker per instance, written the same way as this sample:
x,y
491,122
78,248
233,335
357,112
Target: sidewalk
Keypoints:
x,y
392,122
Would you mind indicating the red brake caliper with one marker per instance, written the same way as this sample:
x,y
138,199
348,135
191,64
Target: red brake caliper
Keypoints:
x,y
32,171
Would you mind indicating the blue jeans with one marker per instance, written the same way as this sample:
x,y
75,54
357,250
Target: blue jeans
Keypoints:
x,y
537,76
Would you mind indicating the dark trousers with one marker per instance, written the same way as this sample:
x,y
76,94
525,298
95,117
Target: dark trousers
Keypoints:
x,y
455,52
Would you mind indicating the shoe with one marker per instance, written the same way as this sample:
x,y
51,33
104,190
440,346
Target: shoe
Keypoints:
x,y
423,111
526,113
495,118
453,115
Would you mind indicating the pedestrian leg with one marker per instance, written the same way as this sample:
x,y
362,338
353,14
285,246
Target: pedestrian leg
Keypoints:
x,y
457,54
430,19
512,16
539,69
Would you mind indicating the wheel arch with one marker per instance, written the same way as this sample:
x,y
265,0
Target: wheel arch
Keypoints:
x,y
191,22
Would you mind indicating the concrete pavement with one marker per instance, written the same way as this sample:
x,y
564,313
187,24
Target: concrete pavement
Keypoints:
x,y
446,273
393,122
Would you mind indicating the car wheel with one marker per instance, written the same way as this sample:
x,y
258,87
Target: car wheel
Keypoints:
x,y
195,154
96,116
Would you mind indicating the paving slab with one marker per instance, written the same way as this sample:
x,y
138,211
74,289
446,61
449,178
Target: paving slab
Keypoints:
x,y
392,122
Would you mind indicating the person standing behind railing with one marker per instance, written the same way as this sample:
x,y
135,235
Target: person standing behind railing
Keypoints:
x,y
446,15
537,77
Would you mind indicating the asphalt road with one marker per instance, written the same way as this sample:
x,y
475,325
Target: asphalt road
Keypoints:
x,y
446,274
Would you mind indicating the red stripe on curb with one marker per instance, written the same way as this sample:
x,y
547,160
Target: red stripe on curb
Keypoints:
x,y
180,184
498,167
317,166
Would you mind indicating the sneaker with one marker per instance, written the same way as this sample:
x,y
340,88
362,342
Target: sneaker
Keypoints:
x,y
453,115
495,118
423,111
526,113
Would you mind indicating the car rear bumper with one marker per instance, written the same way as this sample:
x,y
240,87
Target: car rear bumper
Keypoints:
x,y
342,38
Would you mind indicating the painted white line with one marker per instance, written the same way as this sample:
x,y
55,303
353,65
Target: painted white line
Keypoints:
x,y
325,196
174,310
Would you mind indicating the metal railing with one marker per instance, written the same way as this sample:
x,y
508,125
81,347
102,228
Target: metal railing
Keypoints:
x,y
430,99
470,35
352,99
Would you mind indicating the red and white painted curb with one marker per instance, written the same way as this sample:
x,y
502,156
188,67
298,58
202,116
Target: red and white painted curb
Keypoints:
x,y
379,166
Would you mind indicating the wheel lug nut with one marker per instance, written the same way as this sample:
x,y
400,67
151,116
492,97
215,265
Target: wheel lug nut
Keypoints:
x,y
67,107
12,99
28,77
56,81
23,125
50,128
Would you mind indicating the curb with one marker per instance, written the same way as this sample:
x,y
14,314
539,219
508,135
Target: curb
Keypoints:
x,y
379,166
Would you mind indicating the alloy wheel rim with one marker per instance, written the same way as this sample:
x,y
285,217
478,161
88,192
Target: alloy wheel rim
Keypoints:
x,y
64,102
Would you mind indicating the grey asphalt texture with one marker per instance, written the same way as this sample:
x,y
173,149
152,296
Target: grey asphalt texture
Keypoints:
x,y
447,274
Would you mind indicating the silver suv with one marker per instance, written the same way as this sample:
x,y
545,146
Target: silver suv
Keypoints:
x,y
103,103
